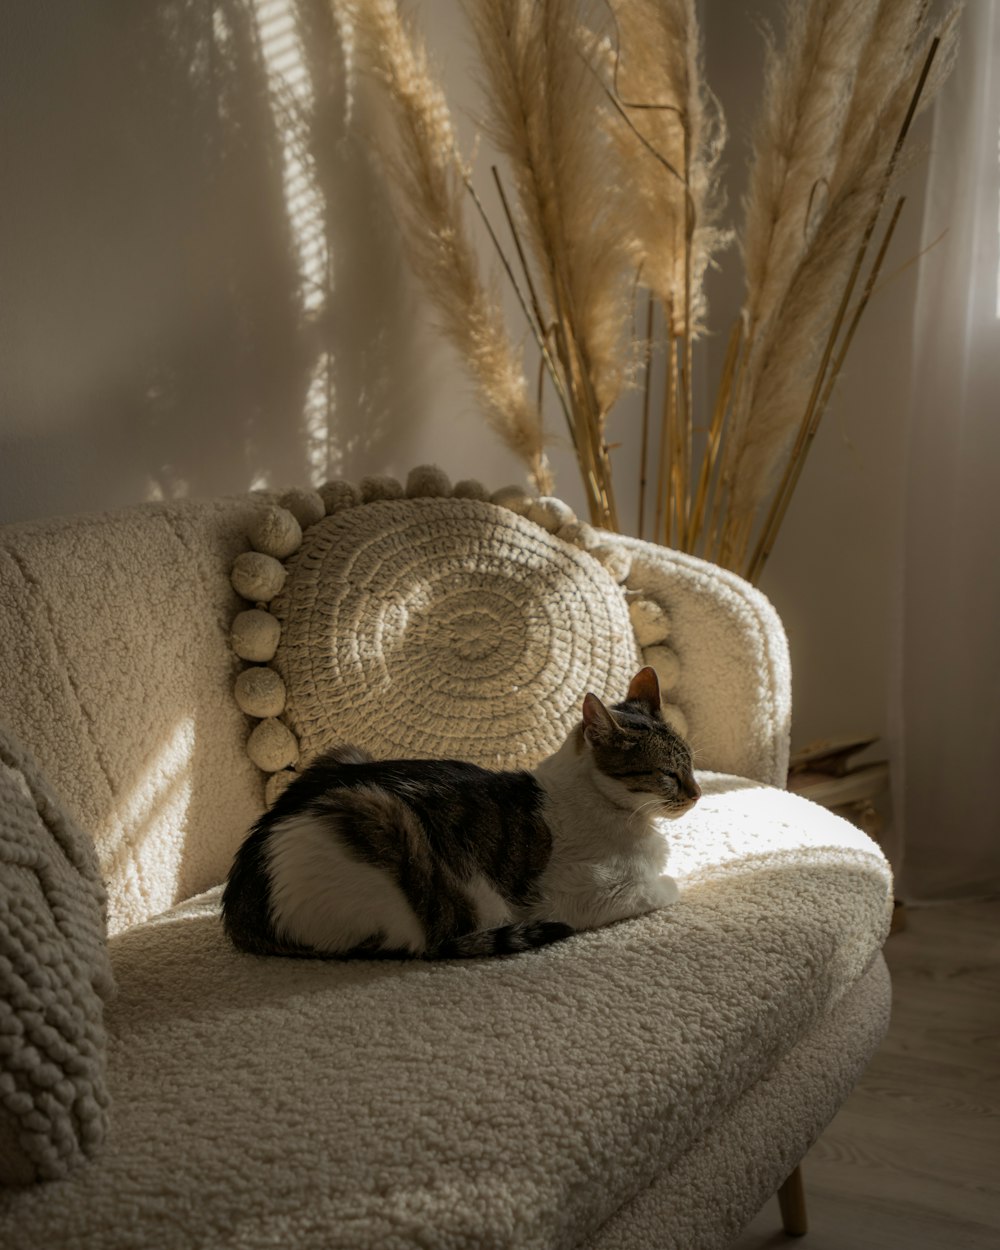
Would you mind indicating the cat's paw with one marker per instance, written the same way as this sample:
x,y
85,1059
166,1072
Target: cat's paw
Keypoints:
x,y
667,891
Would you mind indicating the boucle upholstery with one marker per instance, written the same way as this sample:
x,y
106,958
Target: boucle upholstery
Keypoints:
x,y
506,1103
702,1199
54,973
646,1084
114,668
734,682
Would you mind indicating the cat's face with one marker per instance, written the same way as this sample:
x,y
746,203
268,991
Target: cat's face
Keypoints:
x,y
640,759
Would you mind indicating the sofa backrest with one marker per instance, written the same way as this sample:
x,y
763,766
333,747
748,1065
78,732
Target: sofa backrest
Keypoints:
x,y
115,669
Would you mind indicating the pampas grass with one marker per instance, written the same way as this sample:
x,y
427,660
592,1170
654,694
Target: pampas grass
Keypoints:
x,y
669,115
541,104
611,141
794,345
875,146
431,179
807,89
657,79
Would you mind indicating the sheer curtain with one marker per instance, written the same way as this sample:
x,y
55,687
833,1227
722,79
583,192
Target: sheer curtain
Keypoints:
x,y
948,787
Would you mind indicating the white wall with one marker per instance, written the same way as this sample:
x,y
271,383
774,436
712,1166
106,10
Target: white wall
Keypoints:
x,y
149,330
150,341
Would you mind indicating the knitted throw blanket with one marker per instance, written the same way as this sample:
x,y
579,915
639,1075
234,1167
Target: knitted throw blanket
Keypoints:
x,y
54,973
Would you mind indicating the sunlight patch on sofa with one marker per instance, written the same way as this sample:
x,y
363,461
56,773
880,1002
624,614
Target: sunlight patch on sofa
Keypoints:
x,y
149,851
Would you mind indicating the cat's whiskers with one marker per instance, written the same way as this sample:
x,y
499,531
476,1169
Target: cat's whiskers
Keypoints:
x,y
653,803
700,746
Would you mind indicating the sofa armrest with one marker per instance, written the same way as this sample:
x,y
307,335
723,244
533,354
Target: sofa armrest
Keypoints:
x,y
735,676
116,670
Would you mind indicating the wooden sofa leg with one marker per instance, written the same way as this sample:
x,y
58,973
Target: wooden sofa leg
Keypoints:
x,y
792,1202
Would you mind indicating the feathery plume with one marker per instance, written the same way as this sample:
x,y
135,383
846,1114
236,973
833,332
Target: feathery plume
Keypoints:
x,y
430,180
807,89
782,392
678,199
612,143
544,112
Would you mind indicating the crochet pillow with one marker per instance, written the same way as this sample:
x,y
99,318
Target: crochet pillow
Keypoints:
x,y
54,973
431,622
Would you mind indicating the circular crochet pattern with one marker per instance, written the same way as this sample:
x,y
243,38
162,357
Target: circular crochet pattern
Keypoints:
x,y
446,628
428,619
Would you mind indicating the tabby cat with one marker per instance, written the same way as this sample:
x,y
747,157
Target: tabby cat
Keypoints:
x,y
443,859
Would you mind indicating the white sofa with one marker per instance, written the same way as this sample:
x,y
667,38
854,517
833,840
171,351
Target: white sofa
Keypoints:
x,y
646,1085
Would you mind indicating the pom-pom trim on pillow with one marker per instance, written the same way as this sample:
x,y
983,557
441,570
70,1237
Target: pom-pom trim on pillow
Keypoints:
x,y
259,576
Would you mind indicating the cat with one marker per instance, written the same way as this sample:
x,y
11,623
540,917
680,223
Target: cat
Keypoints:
x,y
444,859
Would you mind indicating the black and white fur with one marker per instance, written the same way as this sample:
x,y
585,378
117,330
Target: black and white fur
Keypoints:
x,y
443,859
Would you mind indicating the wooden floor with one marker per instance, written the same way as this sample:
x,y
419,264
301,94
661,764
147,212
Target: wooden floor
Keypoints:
x,y
912,1162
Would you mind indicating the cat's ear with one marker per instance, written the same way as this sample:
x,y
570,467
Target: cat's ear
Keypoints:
x,y
645,688
598,723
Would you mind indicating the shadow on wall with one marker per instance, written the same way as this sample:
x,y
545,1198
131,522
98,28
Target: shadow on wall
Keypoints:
x,y
155,335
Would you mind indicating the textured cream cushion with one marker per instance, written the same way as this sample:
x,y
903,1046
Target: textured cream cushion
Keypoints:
x,y
54,972
444,627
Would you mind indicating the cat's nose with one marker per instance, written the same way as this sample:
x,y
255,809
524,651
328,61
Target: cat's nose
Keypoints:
x,y
692,789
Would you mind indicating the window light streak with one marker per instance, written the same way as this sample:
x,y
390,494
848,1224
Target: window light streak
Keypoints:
x,y
998,231
159,800
292,93
316,412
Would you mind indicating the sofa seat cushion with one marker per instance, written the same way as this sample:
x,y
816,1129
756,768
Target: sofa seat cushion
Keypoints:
x,y
498,1103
